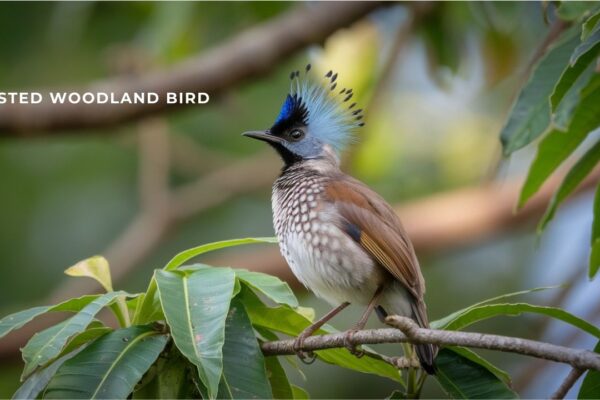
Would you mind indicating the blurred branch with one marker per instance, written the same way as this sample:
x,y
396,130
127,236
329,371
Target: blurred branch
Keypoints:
x,y
408,331
147,229
567,384
159,216
250,54
238,177
189,158
403,36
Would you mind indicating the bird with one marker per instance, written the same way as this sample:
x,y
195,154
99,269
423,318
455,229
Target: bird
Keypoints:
x,y
341,239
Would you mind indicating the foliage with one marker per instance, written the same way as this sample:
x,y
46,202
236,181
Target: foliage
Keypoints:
x,y
197,331
559,103
463,378
591,384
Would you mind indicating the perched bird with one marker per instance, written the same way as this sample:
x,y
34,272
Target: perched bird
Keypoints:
x,y
341,239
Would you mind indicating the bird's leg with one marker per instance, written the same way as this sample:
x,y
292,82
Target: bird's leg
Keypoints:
x,y
309,357
361,324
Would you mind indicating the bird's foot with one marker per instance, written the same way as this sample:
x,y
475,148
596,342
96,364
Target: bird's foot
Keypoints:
x,y
350,345
307,357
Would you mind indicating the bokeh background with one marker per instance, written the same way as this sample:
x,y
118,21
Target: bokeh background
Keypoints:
x,y
437,81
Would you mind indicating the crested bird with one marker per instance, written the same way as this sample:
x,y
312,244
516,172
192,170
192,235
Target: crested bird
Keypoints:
x,y
341,239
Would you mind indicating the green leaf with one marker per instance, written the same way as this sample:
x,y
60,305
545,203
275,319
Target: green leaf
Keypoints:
x,y
243,362
48,344
396,395
561,119
476,358
300,393
558,145
95,330
443,40
280,318
19,319
462,378
149,306
224,390
270,286
586,45
286,320
590,387
96,268
572,10
595,251
280,384
575,176
110,367
33,386
530,115
476,314
594,258
195,306
186,255
442,322
573,79
589,24
167,378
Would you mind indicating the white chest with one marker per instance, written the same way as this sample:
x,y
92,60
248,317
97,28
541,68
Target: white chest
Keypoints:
x,y
324,258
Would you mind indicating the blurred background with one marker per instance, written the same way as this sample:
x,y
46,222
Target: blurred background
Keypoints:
x,y
436,80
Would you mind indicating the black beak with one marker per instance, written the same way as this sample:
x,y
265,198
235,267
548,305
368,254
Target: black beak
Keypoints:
x,y
265,136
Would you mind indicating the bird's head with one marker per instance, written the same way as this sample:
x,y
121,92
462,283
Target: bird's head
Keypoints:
x,y
315,119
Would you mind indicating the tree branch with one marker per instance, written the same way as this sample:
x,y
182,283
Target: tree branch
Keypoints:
x,y
250,54
567,384
409,332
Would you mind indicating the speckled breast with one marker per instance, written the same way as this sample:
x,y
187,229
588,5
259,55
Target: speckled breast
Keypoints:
x,y
322,257
296,198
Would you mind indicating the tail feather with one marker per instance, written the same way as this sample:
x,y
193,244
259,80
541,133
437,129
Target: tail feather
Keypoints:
x,y
397,300
425,352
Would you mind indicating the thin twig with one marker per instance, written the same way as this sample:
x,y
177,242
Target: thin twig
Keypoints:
x,y
536,368
400,362
527,378
409,332
567,384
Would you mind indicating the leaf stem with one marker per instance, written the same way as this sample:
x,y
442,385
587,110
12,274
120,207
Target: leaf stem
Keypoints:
x,y
147,306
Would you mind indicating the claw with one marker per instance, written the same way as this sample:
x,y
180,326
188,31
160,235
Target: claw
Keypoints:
x,y
349,344
307,357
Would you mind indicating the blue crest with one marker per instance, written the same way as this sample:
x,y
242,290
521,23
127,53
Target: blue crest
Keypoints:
x,y
328,113
286,109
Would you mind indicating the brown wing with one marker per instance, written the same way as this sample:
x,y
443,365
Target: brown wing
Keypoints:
x,y
369,220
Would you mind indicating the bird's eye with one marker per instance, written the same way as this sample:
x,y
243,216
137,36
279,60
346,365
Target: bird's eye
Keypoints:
x,y
296,134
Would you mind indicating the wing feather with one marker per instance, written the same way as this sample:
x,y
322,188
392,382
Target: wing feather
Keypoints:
x,y
381,233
